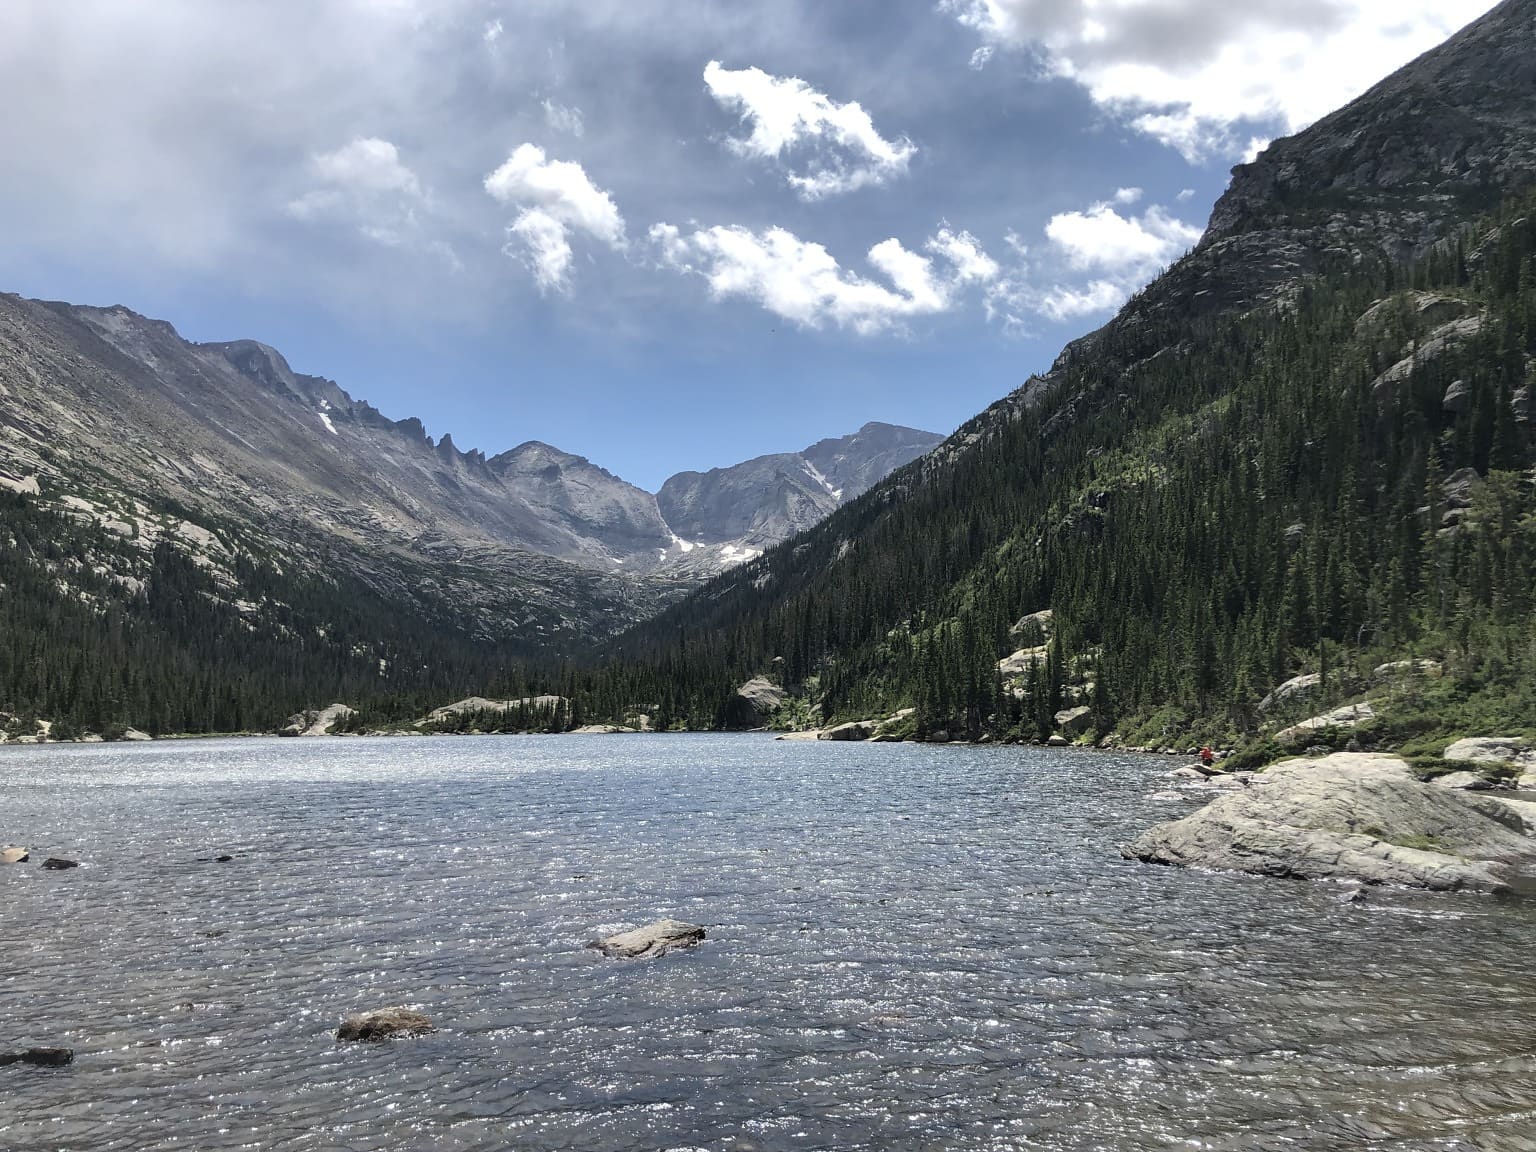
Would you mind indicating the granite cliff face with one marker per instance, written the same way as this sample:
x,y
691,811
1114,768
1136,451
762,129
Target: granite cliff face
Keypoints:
x,y
116,418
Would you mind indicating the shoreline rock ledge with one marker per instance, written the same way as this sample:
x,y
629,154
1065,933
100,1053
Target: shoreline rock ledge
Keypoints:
x,y
653,940
1351,816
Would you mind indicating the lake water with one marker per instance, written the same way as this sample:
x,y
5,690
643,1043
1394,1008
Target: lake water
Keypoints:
x,y
909,948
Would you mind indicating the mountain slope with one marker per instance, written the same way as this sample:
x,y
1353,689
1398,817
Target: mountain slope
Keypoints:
x,y
1240,477
761,502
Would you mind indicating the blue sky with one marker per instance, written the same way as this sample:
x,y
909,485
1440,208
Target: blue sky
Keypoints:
x,y
662,236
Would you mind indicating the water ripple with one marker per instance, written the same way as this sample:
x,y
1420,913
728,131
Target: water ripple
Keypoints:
x,y
910,948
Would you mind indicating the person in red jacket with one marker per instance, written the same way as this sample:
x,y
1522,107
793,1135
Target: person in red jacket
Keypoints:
x,y
1207,757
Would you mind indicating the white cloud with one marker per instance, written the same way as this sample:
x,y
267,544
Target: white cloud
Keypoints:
x,y
802,282
366,185
555,197
1187,72
1101,238
563,119
367,165
492,32
1128,196
1093,261
843,151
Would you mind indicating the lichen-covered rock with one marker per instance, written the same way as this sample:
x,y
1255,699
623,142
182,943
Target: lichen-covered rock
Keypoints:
x,y
384,1024
653,940
1350,816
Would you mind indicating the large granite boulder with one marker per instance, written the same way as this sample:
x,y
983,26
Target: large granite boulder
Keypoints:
x,y
653,940
854,730
1350,816
1074,721
321,722
755,704
1295,687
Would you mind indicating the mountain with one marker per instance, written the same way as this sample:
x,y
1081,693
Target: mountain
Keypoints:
x,y
129,441
759,503
1304,449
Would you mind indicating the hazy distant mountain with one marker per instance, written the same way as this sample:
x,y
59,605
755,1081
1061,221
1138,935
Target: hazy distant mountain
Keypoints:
x,y
761,502
112,415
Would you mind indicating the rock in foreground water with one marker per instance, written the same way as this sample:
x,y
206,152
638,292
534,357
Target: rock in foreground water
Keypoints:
x,y
384,1024
1350,816
653,940
59,864
42,1057
14,855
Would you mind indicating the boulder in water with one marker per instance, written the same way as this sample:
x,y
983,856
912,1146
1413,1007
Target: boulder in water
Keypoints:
x,y
14,856
1350,816
384,1024
41,1057
59,864
653,940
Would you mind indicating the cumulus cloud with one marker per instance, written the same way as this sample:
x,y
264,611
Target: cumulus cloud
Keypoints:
x,y
804,283
1187,72
365,184
1093,261
841,149
1102,239
555,198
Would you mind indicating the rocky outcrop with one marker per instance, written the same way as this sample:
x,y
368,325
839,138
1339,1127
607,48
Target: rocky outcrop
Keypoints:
x,y
604,730
1291,689
1349,716
1463,781
1516,750
1436,345
384,1024
134,736
653,940
1350,816
755,704
1074,721
854,730
478,705
1022,661
317,723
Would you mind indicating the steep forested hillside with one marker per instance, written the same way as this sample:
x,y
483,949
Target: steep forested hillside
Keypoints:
x,y
1325,484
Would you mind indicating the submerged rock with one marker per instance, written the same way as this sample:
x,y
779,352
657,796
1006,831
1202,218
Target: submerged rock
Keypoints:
x,y
1350,816
653,940
384,1024
41,1057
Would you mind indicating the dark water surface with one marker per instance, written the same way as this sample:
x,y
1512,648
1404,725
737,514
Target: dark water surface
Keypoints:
x,y
910,948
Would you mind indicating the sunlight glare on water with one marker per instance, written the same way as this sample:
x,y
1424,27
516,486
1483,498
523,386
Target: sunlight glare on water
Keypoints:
x,y
909,948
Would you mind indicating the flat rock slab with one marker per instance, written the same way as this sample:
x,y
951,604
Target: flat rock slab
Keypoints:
x,y
41,1057
653,940
384,1024
1351,816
